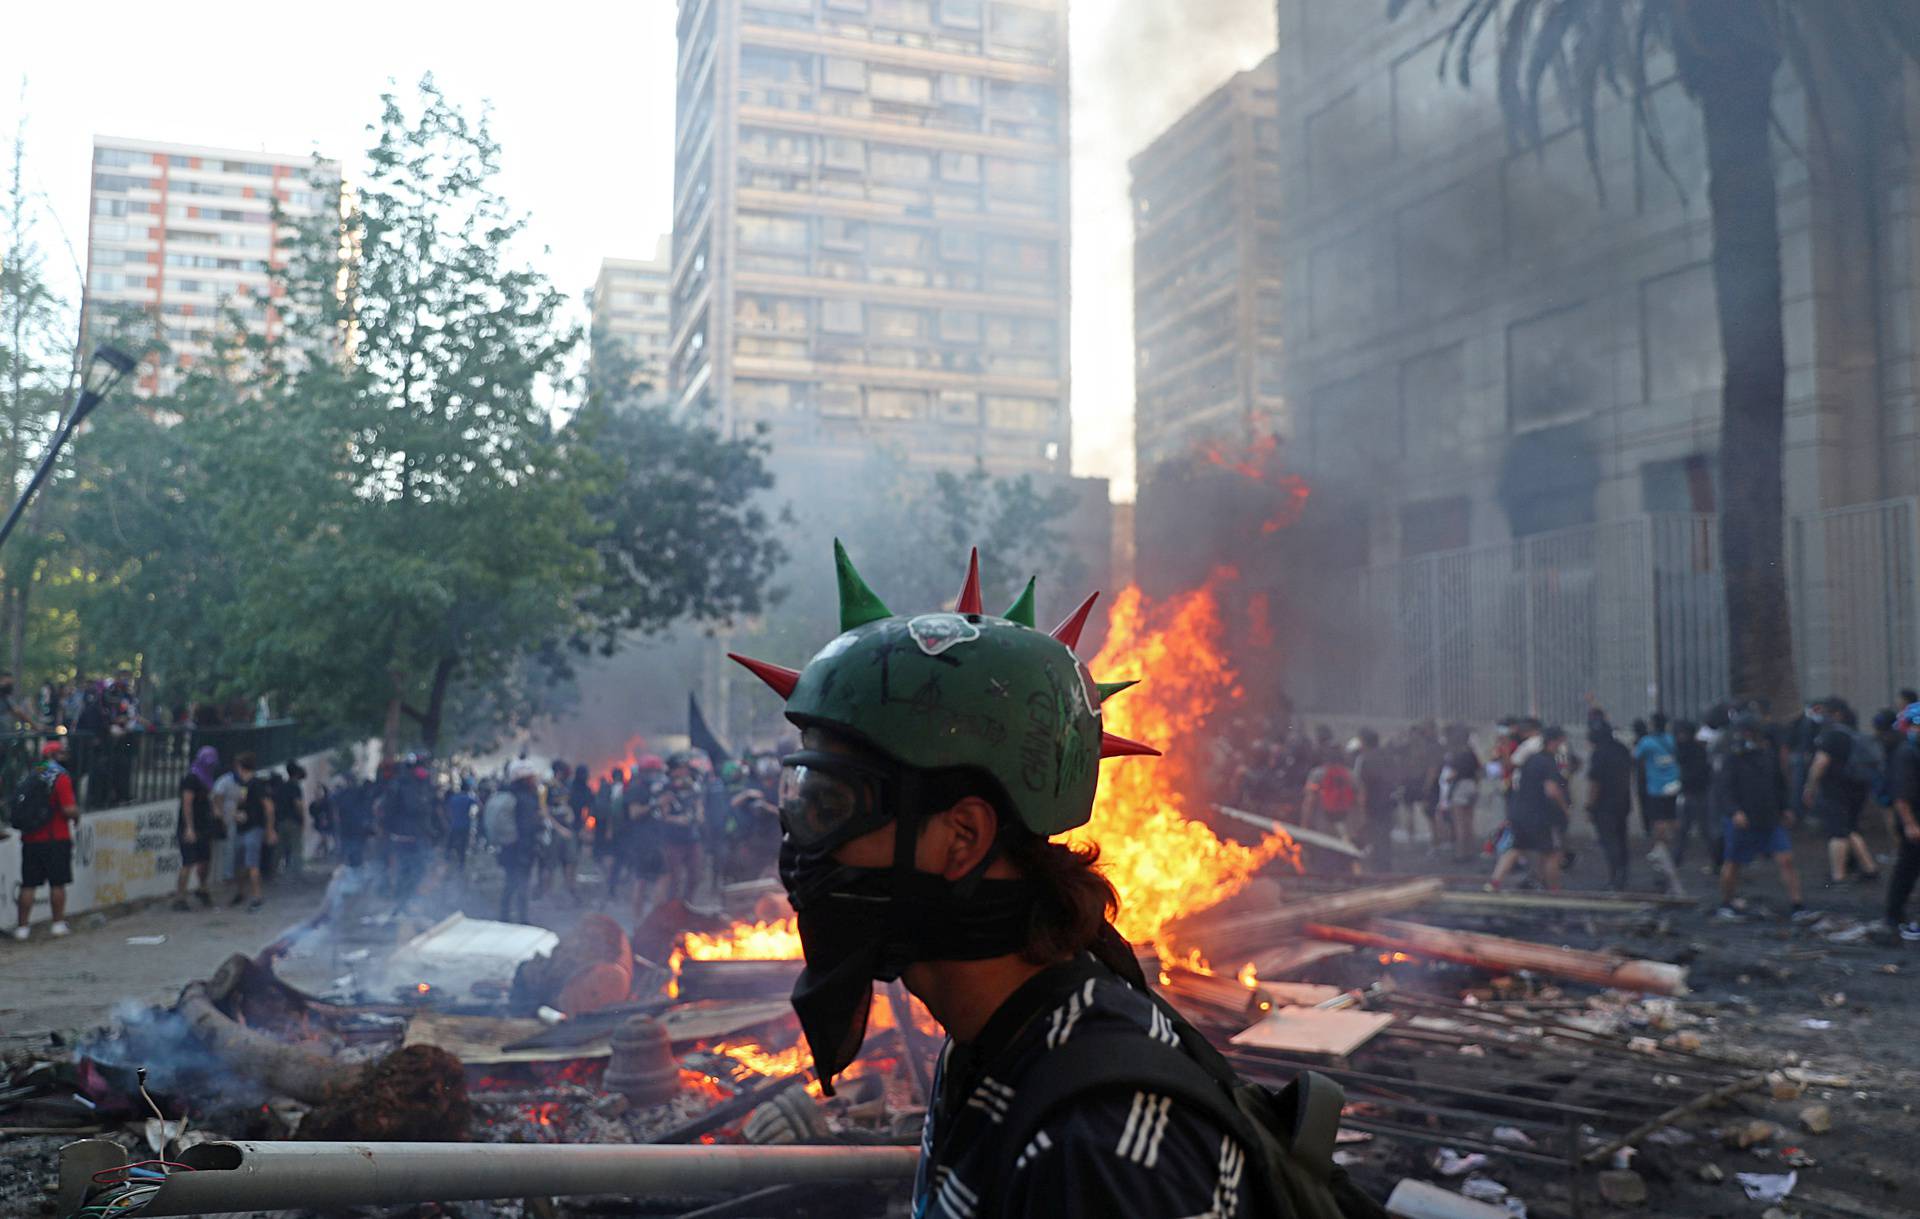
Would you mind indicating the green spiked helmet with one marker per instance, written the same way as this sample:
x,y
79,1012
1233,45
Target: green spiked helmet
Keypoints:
x,y
963,690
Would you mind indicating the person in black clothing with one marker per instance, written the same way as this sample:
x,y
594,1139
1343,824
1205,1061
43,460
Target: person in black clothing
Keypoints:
x,y
1537,811
1610,798
1379,781
1835,795
915,853
1460,790
517,857
1904,786
195,828
1746,786
1696,776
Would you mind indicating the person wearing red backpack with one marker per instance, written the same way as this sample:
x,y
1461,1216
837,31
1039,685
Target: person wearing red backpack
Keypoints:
x,y
46,849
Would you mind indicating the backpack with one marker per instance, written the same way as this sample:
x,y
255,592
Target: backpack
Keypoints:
x,y
32,804
1337,792
1288,1134
1866,761
499,818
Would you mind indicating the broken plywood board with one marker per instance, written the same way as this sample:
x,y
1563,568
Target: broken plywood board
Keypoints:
x,y
458,953
719,1018
1299,994
481,1041
1312,1030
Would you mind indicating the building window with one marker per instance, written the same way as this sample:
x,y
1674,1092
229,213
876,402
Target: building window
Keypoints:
x,y
959,326
898,245
839,233
1016,26
845,154
901,164
888,85
886,322
909,13
842,317
846,74
778,232
896,403
1020,414
1020,179
960,245
959,90
841,401
960,408
960,166
960,14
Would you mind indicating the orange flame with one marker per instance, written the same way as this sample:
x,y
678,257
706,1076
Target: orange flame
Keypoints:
x,y
1163,863
761,941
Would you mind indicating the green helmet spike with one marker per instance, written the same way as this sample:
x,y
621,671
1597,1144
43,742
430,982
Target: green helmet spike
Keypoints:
x,y
858,604
1110,688
1021,611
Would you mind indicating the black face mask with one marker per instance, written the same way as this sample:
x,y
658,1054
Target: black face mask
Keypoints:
x,y
859,925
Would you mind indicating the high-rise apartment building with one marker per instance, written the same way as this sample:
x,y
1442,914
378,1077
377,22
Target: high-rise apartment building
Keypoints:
x,y
185,232
870,228
630,310
1206,285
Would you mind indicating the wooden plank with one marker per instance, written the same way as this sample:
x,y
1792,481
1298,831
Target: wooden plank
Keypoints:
x,y
1312,1030
1299,833
706,1021
1237,937
480,1041
1501,954
1296,957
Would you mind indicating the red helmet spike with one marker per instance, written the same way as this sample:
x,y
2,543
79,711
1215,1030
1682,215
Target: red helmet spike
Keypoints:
x,y
1068,632
782,679
1112,746
970,591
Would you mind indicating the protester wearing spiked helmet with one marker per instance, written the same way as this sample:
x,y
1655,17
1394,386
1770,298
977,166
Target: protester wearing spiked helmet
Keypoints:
x,y
940,754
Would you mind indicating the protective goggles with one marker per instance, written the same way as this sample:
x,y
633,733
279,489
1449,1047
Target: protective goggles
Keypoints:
x,y
829,798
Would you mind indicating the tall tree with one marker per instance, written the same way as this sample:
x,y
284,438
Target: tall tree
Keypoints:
x,y
1727,55
36,363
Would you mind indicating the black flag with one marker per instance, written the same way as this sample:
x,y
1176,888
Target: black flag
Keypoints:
x,y
701,736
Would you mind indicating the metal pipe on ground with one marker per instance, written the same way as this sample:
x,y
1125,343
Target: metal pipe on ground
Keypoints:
x,y
247,1176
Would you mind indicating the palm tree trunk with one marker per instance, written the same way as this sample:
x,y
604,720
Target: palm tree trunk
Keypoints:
x,y
1735,94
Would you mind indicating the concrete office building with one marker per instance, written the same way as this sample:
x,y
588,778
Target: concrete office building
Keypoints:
x,y
183,231
630,310
870,229
1512,384
1206,284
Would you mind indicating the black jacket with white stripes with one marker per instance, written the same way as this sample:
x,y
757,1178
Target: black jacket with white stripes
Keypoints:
x,y
1115,1152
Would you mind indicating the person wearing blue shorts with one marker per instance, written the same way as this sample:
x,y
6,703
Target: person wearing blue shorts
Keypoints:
x,y
1748,790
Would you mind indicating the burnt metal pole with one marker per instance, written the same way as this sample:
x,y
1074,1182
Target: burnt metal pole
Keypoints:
x,y
246,1176
104,371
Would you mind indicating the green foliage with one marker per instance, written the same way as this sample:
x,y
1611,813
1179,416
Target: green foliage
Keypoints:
x,y
371,513
1588,48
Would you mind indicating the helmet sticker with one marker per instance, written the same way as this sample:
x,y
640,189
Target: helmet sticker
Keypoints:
x,y
935,633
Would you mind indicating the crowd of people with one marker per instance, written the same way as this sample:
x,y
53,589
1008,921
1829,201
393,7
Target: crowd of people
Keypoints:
x,y
1733,783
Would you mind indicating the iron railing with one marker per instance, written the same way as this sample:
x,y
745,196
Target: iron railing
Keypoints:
x,y
140,767
1629,615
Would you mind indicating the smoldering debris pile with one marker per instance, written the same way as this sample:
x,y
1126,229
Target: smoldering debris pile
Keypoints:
x,y
1489,1068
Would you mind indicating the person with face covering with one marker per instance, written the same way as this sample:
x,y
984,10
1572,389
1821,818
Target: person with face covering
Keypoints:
x,y
939,756
195,828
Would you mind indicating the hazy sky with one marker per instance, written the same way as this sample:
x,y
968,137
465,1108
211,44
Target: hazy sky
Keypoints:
x,y
582,99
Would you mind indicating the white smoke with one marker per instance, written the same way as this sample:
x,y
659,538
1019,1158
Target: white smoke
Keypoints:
x,y
1137,66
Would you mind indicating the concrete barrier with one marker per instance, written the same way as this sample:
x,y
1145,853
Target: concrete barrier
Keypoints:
x,y
120,855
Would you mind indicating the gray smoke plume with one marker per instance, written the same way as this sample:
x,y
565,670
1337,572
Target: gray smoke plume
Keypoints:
x,y
1138,65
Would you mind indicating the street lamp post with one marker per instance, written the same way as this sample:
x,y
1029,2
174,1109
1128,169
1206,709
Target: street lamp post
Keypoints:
x,y
104,371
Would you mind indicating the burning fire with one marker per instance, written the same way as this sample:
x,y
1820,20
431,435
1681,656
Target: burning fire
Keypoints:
x,y
762,941
1163,863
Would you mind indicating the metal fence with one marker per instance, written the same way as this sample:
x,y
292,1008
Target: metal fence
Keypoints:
x,y
1628,615
139,767
1856,581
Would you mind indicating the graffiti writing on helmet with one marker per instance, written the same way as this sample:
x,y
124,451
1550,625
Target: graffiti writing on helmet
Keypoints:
x,y
935,633
1039,742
